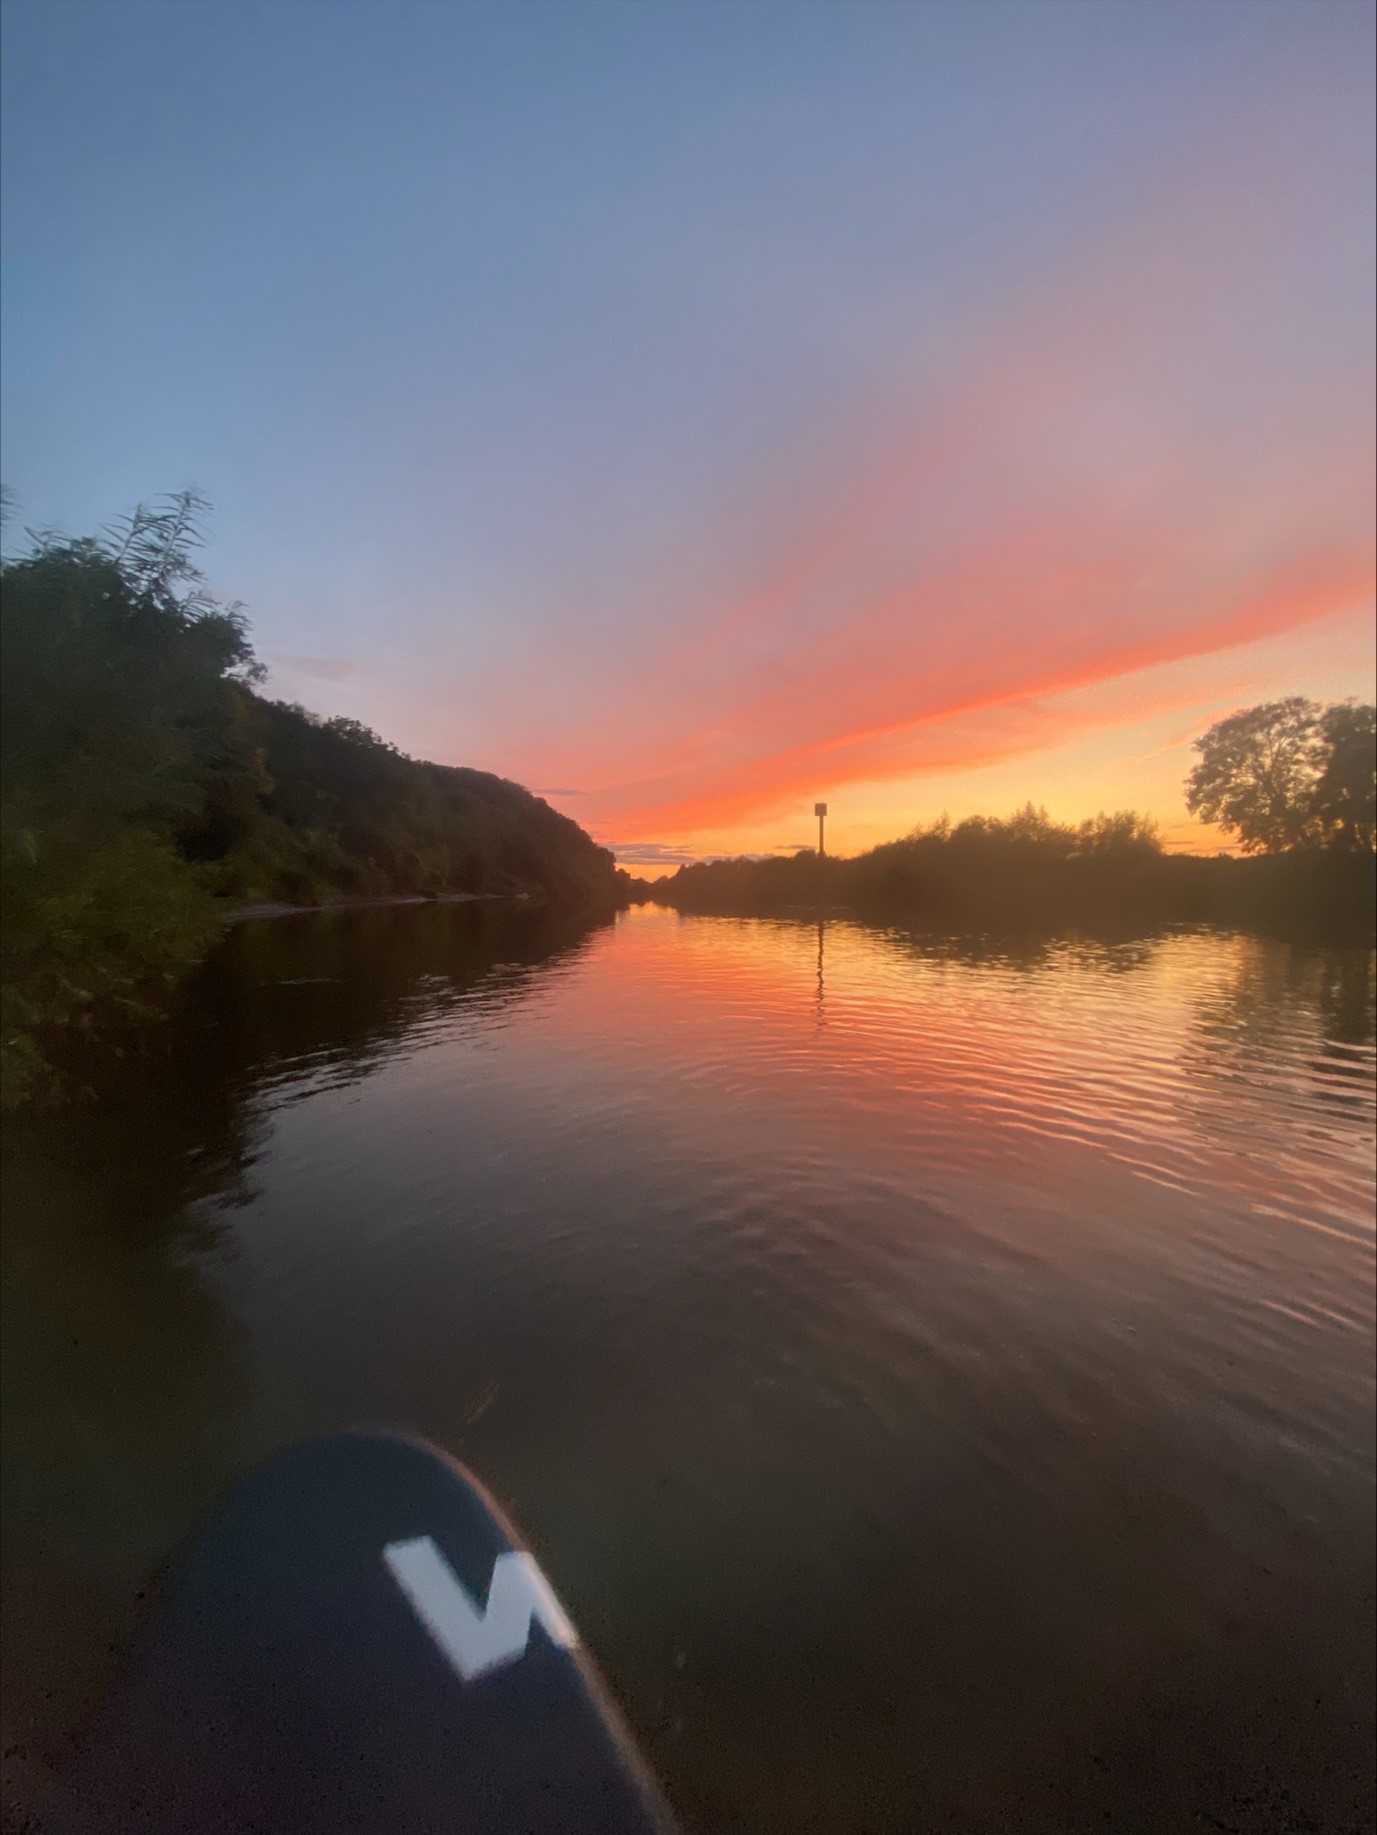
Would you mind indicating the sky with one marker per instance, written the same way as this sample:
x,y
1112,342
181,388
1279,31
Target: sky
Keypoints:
x,y
696,410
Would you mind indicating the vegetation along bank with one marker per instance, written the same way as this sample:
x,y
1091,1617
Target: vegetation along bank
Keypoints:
x,y
150,789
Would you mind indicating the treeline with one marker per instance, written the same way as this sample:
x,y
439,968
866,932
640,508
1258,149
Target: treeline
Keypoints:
x,y
1027,870
149,786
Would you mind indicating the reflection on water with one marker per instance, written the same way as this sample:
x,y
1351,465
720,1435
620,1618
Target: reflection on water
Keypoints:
x,y
822,964
937,1372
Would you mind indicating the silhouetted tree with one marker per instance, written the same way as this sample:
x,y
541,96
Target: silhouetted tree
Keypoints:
x,y
1124,832
1289,774
1257,774
1344,798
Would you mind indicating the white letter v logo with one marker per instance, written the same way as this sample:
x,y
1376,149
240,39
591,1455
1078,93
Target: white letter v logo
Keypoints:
x,y
476,1642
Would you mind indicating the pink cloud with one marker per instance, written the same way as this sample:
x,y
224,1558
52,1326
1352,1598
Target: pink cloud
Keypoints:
x,y
1150,456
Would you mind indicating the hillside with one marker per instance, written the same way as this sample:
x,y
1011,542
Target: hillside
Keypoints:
x,y
149,787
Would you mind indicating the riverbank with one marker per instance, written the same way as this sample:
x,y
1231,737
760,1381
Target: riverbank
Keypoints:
x,y
272,908
993,883
153,798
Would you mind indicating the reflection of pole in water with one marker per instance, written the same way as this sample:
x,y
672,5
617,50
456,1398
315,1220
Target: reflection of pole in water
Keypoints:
x,y
820,811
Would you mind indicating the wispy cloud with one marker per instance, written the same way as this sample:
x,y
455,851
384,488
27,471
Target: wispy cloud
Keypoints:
x,y
321,668
1148,461
650,853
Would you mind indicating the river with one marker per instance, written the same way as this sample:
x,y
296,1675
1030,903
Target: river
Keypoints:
x,y
937,1374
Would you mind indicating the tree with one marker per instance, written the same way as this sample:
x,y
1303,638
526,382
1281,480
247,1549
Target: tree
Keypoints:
x,y
1124,832
1345,795
119,683
1257,775
143,779
1290,774
1029,833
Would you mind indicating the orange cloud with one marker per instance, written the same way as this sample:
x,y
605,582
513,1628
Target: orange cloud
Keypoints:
x,y
952,725
1143,456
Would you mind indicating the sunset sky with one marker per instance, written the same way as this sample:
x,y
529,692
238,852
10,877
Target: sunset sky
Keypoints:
x,y
694,410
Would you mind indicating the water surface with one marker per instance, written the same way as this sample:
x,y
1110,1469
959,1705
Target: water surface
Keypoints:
x,y
936,1373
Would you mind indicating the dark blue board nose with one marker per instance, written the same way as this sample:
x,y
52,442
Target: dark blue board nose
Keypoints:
x,y
358,1642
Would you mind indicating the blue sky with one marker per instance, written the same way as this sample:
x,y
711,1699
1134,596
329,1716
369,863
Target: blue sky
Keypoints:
x,y
517,345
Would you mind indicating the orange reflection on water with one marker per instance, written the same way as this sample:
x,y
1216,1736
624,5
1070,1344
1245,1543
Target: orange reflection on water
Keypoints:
x,y
1183,1064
